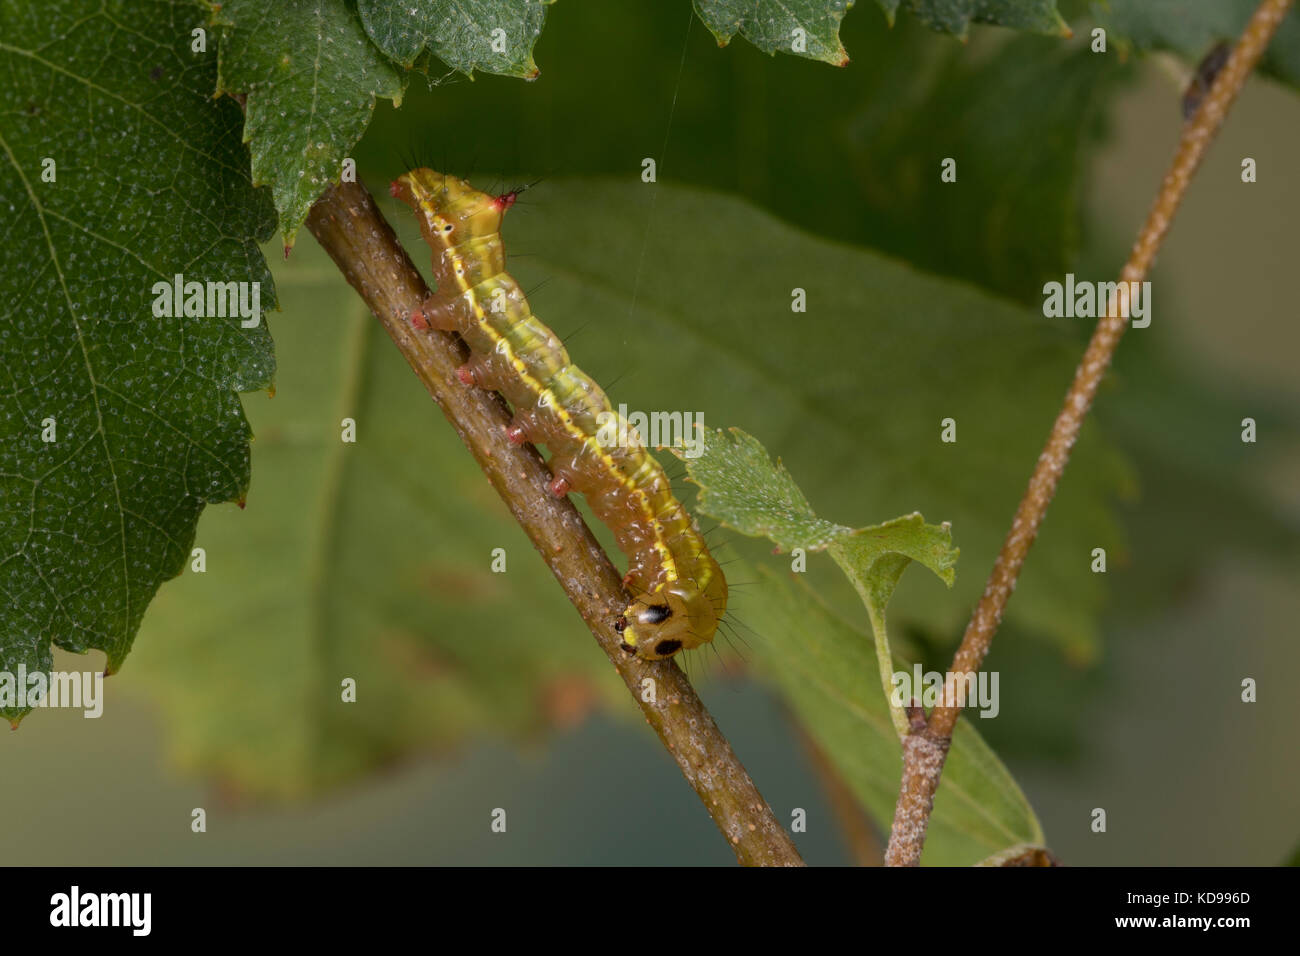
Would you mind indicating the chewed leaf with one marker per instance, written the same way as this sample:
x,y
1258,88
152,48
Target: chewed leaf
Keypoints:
x,y
862,554
742,488
496,36
311,77
874,559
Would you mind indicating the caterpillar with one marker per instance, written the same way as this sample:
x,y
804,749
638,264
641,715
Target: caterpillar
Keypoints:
x,y
679,592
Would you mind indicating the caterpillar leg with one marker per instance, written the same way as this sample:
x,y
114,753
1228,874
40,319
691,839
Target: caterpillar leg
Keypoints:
x,y
478,371
524,427
436,313
422,315
567,476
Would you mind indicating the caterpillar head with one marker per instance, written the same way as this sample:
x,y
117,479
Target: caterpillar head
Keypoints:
x,y
659,624
450,208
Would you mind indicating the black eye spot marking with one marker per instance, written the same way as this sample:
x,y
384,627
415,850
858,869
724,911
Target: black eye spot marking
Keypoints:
x,y
620,625
627,649
664,648
655,614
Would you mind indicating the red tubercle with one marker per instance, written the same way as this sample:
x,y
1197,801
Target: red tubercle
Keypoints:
x,y
559,486
505,200
515,434
395,189
465,374
419,320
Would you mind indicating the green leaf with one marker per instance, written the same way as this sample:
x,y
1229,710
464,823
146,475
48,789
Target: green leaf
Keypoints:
x,y
824,668
809,28
741,488
311,77
462,33
956,16
369,560
1017,124
150,180
874,559
1191,28
1018,118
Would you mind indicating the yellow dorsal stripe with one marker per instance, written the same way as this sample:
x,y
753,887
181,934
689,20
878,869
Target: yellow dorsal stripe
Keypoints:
x,y
548,398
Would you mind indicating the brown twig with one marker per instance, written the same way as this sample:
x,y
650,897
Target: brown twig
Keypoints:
x,y
348,224
926,747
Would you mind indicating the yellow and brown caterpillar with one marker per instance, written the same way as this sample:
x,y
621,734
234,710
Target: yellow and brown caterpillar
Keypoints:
x,y
679,591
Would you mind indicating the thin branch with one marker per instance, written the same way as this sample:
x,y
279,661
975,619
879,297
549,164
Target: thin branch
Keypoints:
x,y
926,747
348,224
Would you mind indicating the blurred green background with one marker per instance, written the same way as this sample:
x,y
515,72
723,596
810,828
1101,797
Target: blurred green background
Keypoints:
x,y
1060,153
